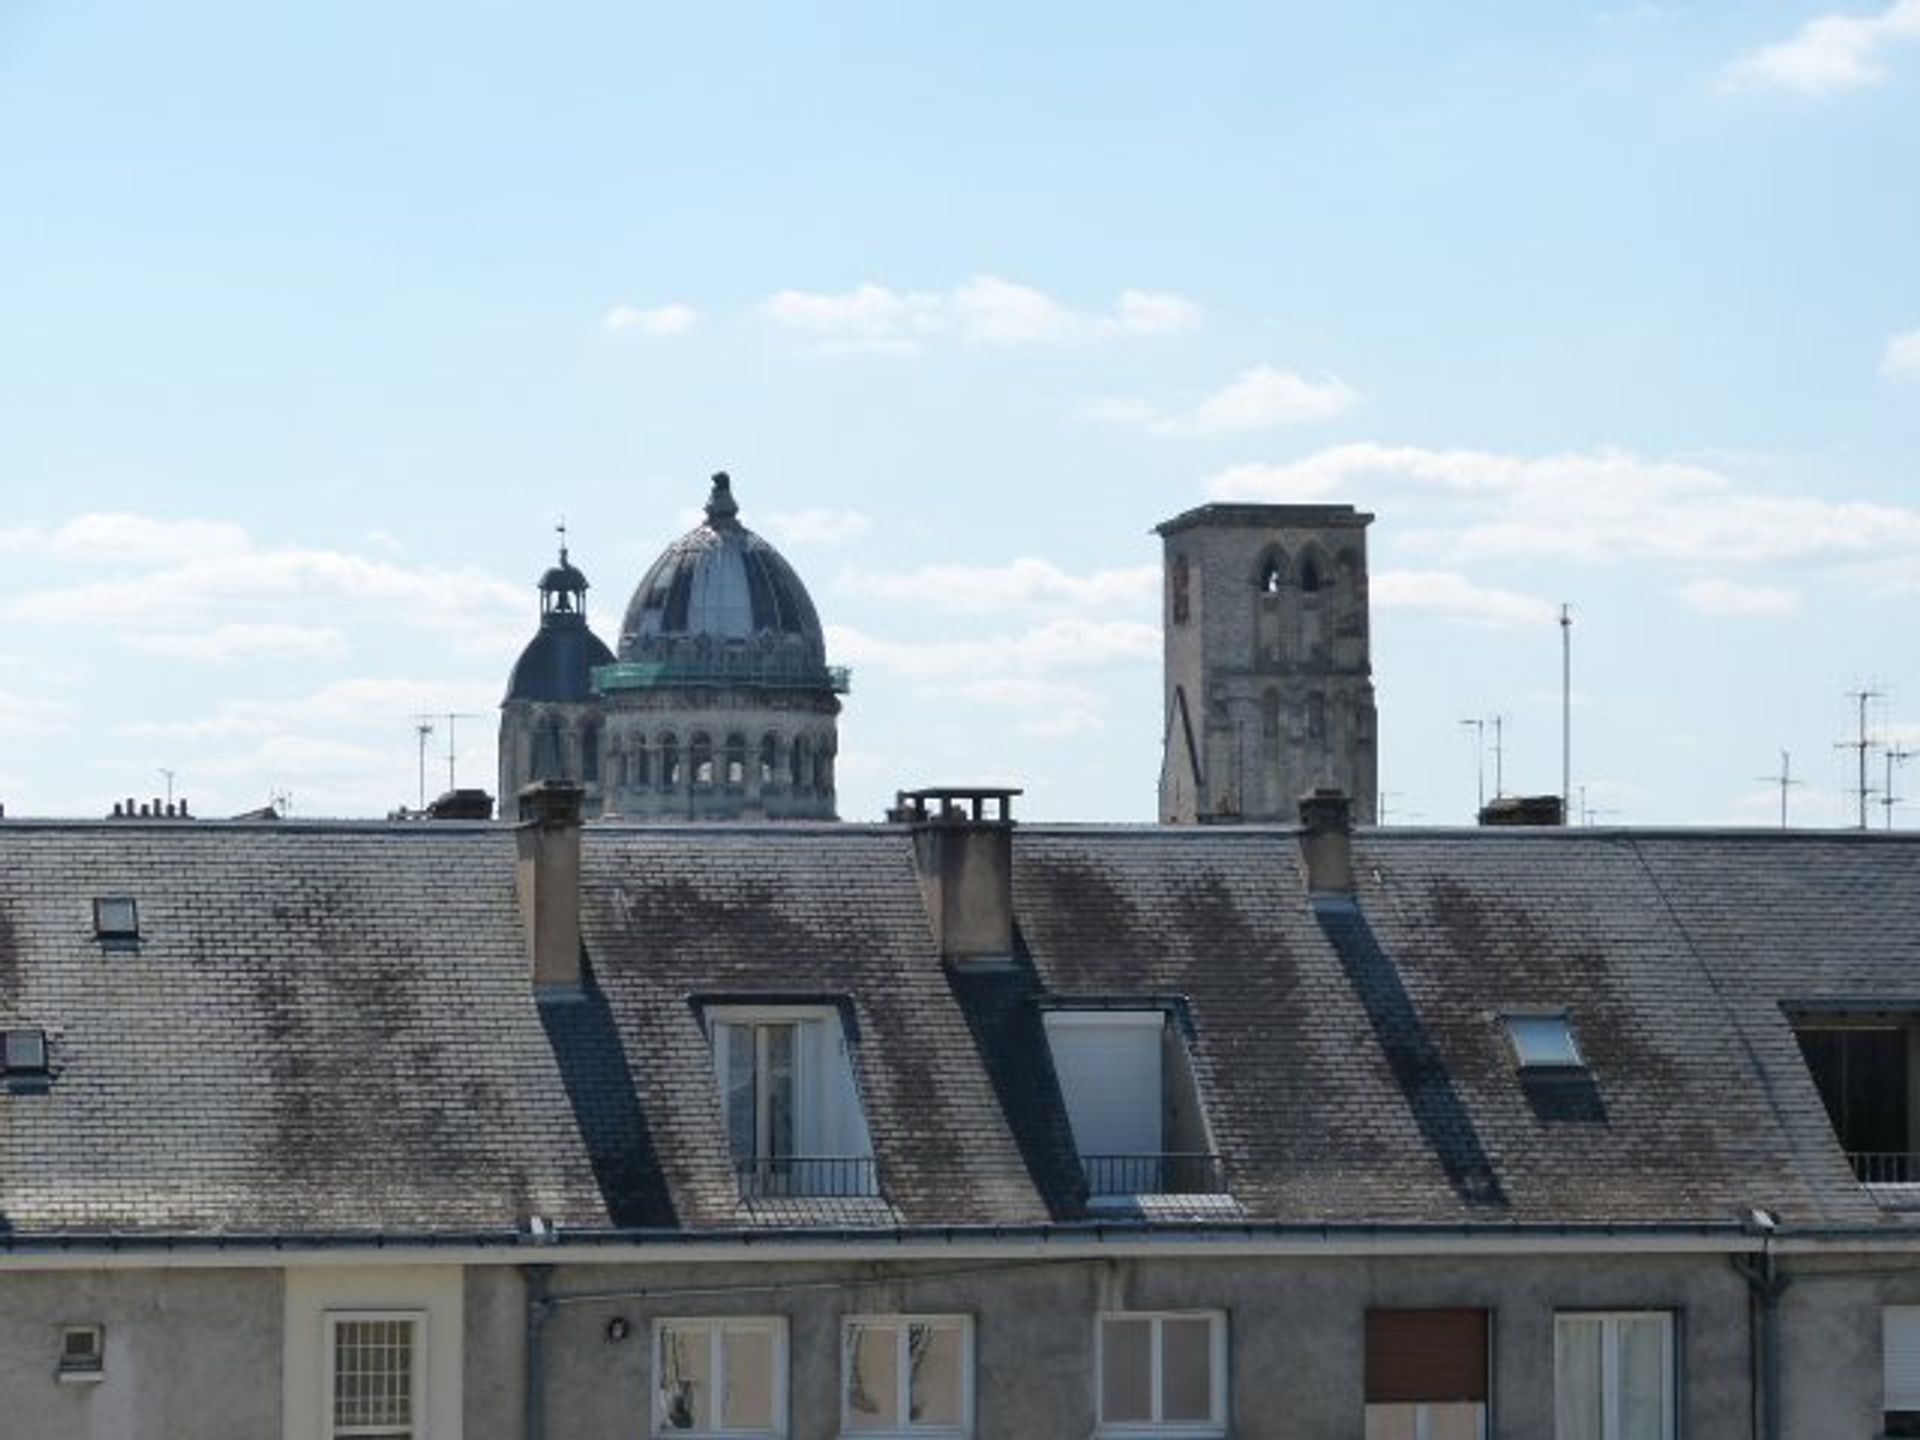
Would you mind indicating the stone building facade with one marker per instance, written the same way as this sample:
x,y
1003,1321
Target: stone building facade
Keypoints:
x,y
1269,688
719,704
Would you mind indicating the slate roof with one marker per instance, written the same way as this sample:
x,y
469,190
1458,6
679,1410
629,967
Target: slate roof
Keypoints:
x,y
329,1028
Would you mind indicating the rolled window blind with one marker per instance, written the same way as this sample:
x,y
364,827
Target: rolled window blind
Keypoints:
x,y
1431,1355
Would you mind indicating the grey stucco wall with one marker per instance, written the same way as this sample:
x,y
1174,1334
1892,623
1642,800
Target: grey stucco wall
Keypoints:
x,y
188,1353
1295,1329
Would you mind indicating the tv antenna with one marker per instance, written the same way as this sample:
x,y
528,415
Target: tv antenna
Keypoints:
x,y
1479,764
1895,755
1861,745
1785,781
1566,709
1590,813
167,775
1499,756
423,729
452,717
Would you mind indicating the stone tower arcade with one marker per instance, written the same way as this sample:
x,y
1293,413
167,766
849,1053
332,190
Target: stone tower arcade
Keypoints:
x,y
1269,690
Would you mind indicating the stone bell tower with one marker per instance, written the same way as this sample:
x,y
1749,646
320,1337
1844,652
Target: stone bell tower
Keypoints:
x,y
1269,689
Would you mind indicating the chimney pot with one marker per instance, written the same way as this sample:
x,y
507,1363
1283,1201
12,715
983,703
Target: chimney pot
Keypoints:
x,y
1326,842
548,844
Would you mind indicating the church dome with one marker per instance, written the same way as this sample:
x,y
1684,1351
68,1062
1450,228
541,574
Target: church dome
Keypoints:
x,y
721,597
558,663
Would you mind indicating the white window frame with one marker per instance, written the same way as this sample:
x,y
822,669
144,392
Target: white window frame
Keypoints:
x,y
1422,1413
717,1327
1142,1018
904,1425
1214,1425
1529,1055
826,1092
331,1322
1610,1321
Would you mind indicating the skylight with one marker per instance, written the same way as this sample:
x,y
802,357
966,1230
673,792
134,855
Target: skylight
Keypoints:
x,y
1544,1042
23,1052
116,920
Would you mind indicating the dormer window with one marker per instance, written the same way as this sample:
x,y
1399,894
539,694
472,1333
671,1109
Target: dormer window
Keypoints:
x,y
793,1116
1543,1041
116,922
1132,1103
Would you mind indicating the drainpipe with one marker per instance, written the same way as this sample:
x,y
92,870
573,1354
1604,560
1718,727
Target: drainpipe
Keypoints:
x,y
1766,1284
539,1307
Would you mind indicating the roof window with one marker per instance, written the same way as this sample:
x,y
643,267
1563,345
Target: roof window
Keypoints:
x,y
23,1053
116,921
1544,1042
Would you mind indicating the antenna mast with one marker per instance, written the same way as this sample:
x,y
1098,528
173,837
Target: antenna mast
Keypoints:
x,y
1479,764
423,728
1499,756
451,717
1895,756
1861,746
1566,714
1785,781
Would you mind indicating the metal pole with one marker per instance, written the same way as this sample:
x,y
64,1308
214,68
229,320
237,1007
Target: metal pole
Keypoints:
x,y
1566,714
1479,765
1499,756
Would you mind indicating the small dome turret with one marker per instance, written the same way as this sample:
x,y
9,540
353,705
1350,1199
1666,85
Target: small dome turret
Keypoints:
x,y
558,662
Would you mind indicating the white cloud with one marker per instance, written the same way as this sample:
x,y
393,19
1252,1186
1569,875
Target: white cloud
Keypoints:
x,y
25,714
1260,398
1732,598
1901,359
115,537
1044,709
1022,582
660,320
985,310
1055,647
818,526
1442,595
1600,507
242,642
377,702
1829,53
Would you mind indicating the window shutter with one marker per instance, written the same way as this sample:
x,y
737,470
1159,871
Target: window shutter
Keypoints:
x,y
1900,1338
1109,1069
1430,1355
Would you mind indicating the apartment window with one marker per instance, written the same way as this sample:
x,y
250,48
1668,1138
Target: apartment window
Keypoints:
x,y
794,1122
1860,1069
1613,1375
907,1375
376,1362
82,1353
720,1377
1900,1361
1163,1374
1132,1103
1427,1374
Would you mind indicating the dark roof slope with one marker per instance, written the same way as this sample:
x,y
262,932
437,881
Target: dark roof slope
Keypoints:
x,y
330,1027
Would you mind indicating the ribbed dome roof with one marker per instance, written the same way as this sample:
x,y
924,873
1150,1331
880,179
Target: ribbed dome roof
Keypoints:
x,y
720,583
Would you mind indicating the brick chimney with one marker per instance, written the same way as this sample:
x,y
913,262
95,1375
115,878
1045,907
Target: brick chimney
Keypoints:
x,y
549,882
1326,843
963,848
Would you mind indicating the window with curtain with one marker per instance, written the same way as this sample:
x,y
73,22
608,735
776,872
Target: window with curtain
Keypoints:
x,y
720,1377
1613,1375
907,1375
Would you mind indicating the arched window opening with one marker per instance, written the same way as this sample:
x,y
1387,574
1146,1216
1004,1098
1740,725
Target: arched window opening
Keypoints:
x,y
669,762
1316,716
550,750
736,771
700,757
590,752
1310,575
622,768
800,764
823,771
640,771
769,760
1180,582
1271,573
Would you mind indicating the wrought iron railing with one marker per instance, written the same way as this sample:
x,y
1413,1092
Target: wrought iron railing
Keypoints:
x,y
770,1177
725,669
1192,1172
1885,1167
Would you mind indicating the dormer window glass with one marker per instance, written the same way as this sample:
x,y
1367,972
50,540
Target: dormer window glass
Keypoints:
x,y
1544,1041
793,1116
1132,1103
116,921
23,1053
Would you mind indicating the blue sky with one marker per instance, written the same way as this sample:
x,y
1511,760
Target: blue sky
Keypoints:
x,y
312,324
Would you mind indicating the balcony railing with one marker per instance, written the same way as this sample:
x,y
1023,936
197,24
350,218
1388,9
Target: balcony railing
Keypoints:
x,y
728,668
780,1177
1885,1167
1171,1173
